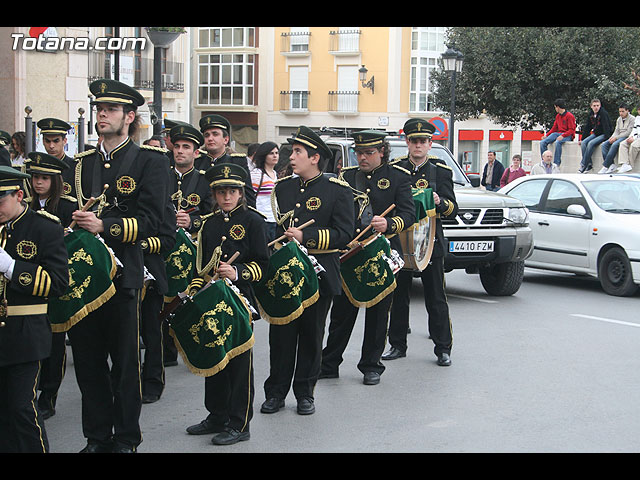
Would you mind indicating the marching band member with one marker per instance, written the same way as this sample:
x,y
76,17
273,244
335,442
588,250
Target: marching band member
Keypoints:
x,y
217,130
233,227
383,185
33,267
47,194
295,348
131,209
432,172
54,138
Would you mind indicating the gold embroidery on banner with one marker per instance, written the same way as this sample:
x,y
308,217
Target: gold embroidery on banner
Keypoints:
x,y
371,267
283,277
208,321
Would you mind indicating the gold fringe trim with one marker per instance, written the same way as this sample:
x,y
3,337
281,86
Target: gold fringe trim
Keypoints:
x,y
369,303
208,372
84,311
292,316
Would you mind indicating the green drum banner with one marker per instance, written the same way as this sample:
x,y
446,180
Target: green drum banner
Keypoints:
x,y
423,200
289,285
367,277
92,268
212,328
180,265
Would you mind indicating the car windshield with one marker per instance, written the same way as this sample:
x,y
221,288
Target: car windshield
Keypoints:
x,y
615,196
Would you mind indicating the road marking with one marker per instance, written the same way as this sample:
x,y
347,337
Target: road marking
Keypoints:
x,y
609,320
483,300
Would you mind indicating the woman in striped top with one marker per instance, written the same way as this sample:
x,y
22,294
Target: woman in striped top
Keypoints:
x,y
263,178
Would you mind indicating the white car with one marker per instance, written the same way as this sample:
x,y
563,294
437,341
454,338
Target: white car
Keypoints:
x,y
585,224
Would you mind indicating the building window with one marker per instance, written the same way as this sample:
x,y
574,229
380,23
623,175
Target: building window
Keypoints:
x,y
427,44
226,37
226,79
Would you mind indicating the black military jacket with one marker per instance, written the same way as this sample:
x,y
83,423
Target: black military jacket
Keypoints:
x,y
384,186
68,178
158,247
36,242
191,190
327,201
136,200
436,174
244,232
66,206
206,161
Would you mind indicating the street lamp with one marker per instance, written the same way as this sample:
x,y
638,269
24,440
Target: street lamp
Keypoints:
x,y
452,61
363,78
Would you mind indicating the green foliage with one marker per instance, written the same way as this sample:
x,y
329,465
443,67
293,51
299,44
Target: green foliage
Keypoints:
x,y
513,74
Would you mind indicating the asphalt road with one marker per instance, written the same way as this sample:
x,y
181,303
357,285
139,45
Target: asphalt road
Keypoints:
x,y
553,368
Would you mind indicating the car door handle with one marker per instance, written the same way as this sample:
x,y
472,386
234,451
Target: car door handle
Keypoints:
x,y
544,223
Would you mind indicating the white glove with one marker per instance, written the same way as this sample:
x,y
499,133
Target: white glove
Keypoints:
x,y
6,263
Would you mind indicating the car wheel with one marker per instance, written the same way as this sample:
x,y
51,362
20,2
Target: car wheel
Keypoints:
x,y
614,273
502,279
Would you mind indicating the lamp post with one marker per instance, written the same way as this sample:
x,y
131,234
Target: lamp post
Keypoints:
x,y
452,61
362,71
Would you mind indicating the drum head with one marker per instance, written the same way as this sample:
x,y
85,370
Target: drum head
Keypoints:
x,y
417,244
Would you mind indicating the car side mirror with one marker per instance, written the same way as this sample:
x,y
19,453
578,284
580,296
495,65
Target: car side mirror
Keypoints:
x,y
575,209
474,178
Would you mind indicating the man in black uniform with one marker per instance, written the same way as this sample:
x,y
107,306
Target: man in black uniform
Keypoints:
x,y
33,267
54,137
427,171
296,347
131,209
216,131
5,156
168,125
191,194
379,185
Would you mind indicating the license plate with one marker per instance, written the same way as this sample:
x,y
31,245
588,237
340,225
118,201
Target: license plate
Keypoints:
x,y
480,246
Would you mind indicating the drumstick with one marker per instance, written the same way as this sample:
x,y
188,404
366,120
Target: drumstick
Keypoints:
x,y
87,206
391,207
306,224
233,257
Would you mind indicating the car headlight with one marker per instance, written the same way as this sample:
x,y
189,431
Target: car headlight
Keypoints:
x,y
517,216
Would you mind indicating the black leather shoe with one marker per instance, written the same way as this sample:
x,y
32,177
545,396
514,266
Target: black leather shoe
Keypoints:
x,y
444,360
393,353
306,406
120,448
371,378
272,405
205,427
149,398
230,436
97,448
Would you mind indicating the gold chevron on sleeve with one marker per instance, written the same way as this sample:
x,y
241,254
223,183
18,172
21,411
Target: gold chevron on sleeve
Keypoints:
x,y
42,283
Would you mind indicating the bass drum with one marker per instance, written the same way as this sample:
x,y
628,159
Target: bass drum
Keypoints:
x,y
417,244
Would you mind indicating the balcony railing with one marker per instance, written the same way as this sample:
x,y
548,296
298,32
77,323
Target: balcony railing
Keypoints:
x,y
344,41
294,43
294,101
343,102
100,66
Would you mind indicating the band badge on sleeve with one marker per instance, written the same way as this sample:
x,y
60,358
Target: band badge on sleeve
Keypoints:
x,y
26,249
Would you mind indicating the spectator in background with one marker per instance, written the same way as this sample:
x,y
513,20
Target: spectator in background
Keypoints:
x,y
547,165
5,156
610,148
18,147
251,151
630,148
514,171
598,128
154,141
492,172
563,130
263,178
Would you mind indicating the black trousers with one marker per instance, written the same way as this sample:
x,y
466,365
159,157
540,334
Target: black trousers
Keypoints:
x,y
229,394
343,319
21,429
435,300
169,349
111,397
153,379
295,352
53,370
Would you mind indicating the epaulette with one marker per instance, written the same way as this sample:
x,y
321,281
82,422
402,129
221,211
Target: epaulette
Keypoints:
x,y
210,214
283,178
402,169
235,154
339,181
249,207
350,168
69,198
78,156
155,149
443,165
48,215
398,159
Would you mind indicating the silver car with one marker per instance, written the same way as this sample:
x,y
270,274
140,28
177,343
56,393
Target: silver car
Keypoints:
x,y
584,224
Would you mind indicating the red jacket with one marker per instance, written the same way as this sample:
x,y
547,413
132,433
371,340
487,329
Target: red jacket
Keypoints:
x,y
565,123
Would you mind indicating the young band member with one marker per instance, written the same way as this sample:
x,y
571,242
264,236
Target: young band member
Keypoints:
x,y
54,138
426,171
382,185
131,209
295,348
233,227
33,267
47,194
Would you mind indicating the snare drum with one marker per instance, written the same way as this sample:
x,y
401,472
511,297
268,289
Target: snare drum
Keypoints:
x,y
417,244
